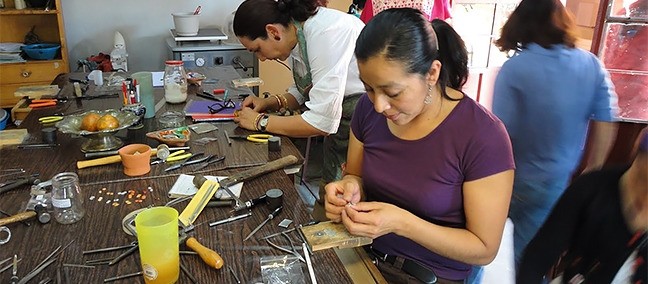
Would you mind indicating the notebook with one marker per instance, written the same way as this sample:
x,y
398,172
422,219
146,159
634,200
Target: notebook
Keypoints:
x,y
199,109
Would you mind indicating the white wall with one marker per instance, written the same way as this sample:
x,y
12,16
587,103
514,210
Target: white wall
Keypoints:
x,y
90,26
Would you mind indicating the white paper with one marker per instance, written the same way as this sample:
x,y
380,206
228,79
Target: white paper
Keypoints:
x,y
158,78
184,186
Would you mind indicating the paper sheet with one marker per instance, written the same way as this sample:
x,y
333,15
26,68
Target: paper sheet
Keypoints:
x,y
158,78
184,186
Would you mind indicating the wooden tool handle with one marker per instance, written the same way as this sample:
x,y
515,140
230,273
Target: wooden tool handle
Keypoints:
x,y
104,161
259,170
17,218
209,256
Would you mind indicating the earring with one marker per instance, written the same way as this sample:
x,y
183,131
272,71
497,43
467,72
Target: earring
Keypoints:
x,y
428,99
277,38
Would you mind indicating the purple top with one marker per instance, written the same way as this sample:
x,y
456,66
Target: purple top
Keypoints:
x,y
425,176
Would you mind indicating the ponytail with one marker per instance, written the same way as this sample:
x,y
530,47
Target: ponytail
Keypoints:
x,y
452,54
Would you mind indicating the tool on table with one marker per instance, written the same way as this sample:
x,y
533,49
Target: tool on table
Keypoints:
x,y
10,172
271,216
209,96
43,264
175,156
189,161
209,256
33,146
208,162
111,279
42,103
238,281
230,219
10,264
272,197
249,174
186,271
291,249
257,138
33,179
14,270
9,215
159,150
131,245
50,119
311,272
229,141
108,160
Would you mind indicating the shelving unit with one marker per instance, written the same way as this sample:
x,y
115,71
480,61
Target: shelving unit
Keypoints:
x,y
50,28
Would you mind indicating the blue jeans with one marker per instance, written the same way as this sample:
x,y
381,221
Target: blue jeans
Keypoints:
x,y
475,275
531,204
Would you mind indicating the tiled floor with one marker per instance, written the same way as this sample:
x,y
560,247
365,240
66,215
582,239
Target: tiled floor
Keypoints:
x,y
500,271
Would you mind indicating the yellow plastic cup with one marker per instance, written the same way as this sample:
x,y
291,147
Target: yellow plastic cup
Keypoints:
x,y
157,234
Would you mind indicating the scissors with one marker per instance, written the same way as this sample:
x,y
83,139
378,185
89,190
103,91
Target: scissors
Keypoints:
x,y
258,138
50,119
175,156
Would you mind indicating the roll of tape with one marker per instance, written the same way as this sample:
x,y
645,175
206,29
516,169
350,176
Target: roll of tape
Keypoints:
x,y
274,144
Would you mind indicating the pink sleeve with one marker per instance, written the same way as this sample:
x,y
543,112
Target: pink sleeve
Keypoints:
x,y
367,12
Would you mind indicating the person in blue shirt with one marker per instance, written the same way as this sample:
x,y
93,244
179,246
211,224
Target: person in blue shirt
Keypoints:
x,y
549,94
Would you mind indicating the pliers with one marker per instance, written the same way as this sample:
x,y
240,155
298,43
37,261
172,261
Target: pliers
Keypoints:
x,y
50,119
258,138
188,161
209,161
42,103
175,156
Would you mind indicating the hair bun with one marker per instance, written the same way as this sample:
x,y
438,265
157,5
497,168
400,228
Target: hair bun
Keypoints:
x,y
283,5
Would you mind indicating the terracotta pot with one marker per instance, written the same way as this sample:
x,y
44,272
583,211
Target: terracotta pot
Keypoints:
x,y
136,159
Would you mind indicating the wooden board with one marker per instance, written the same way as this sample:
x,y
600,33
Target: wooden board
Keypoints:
x,y
37,91
12,136
326,235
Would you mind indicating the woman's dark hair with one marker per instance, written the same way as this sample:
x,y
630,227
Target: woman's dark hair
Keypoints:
x,y
252,16
544,22
405,36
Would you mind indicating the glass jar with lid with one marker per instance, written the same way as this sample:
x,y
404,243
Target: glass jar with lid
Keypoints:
x,y
175,82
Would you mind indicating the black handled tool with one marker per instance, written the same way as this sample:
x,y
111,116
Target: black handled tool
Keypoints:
x,y
270,217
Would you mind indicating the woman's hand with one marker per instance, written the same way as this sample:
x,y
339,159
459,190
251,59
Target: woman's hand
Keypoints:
x,y
246,117
372,219
338,195
257,104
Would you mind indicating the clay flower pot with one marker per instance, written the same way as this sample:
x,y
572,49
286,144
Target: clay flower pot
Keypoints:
x,y
136,159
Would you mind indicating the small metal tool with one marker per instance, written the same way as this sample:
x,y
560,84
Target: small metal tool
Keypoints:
x,y
230,219
110,248
209,162
185,271
238,281
229,141
8,266
189,161
124,255
14,270
111,279
270,217
32,146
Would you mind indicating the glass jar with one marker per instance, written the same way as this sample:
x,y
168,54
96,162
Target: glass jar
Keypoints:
x,y
67,200
175,82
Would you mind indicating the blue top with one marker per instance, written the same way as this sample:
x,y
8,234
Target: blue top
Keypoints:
x,y
426,176
546,97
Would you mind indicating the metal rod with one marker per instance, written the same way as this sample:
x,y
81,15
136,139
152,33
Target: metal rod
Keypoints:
x,y
238,281
123,255
123,277
77,265
229,141
9,266
230,219
31,146
35,272
191,277
106,249
309,264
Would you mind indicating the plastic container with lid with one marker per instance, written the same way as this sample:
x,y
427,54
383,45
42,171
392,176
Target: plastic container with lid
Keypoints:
x,y
175,82
4,117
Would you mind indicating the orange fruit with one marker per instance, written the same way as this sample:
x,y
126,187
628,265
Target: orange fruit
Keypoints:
x,y
107,122
89,122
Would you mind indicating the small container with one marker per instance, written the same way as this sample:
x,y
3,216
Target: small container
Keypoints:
x,y
171,119
136,159
67,200
175,82
49,135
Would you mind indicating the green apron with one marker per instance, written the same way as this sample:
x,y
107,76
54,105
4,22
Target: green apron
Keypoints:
x,y
335,145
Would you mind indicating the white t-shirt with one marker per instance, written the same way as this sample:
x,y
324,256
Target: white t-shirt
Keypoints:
x,y
330,40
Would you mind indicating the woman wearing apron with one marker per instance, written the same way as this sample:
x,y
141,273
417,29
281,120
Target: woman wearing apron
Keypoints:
x,y
318,44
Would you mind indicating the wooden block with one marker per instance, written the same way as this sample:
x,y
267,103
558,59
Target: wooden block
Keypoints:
x,y
12,136
20,110
36,91
326,235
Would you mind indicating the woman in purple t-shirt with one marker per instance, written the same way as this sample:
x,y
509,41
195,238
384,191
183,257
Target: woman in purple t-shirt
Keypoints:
x,y
429,171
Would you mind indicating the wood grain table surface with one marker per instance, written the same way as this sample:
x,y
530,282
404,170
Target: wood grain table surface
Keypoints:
x,y
101,226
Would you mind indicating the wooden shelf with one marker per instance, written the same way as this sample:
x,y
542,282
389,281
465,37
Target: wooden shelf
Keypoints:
x,y
27,11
